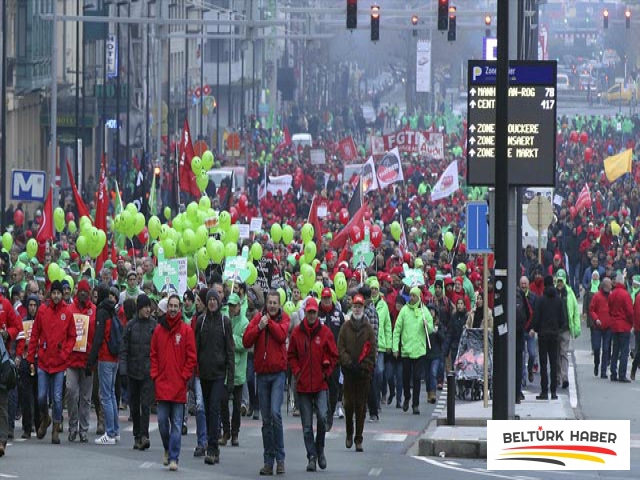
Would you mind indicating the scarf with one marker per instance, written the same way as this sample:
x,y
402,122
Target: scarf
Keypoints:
x,y
595,284
188,313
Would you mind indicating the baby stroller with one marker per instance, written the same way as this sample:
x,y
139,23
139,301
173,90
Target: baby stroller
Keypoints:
x,y
469,364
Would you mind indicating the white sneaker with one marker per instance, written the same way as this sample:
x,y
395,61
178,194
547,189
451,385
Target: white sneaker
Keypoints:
x,y
173,465
105,440
340,412
117,437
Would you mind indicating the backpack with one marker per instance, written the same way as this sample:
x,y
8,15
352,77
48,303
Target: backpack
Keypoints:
x,y
8,370
115,338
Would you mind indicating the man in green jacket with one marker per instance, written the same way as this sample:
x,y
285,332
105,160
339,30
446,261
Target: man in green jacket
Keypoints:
x,y
573,326
467,285
414,320
385,338
239,324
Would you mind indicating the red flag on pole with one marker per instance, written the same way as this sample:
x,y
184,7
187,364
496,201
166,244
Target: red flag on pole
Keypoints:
x,y
584,198
347,149
357,219
186,153
313,216
102,209
83,211
45,232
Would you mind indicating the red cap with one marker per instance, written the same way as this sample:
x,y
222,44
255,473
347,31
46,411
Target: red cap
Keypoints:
x,y
557,257
326,292
83,286
358,299
311,305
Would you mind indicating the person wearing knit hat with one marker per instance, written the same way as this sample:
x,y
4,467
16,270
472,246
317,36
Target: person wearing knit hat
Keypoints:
x,y
461,271
53,337
79,384
413,324
134,365
565,292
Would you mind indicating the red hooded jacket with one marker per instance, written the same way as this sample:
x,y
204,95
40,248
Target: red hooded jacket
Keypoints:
x,y
270,351
620,309
10,322
173,358
53,336
312,356
78,359
599,310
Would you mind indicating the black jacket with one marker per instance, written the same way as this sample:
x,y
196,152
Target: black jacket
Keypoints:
x,y
135,354
215,346
549,317
106,311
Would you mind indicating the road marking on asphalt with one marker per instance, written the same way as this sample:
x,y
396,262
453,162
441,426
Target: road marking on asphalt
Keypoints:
x,y
573,392
583,357
146,465
451,462
479,471
375,472
6,475
390,437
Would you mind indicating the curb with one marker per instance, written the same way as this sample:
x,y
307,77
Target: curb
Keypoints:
x,y
459,448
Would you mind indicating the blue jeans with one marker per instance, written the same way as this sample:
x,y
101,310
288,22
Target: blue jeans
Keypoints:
x,y
270,394
574,277
393,374
107,372
601,346
621,353
170,426
201,419
532,352
51,384
432,365
307,403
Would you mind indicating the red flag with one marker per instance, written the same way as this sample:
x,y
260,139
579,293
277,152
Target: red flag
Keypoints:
x,y
187,177
341,238
45,232
347,149
584,199
83,211
313,216
102,209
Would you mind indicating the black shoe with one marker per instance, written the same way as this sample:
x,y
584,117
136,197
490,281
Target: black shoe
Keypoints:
x,y
565,384
256,415
234,440
199,452
144,443
624,380
520,396
518,401
136,444
530,377
405,405
311,466
84,438
348,442
359,447
542,396
595,370
72,436
185,430
603,375
554,396
614,378
390,399
267,470
322,461
416,410
210,457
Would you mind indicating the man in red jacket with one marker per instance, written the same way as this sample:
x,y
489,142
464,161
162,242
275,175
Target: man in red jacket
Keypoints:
x,y
266,334
173,359
52,338
621,311
312,356
79,384
601,333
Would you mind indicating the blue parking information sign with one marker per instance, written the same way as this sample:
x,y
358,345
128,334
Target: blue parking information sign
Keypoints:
x,y
477,227
28,185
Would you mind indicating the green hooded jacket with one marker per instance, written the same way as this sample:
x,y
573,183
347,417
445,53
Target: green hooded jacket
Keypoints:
x,y
240,324
385,338
410,330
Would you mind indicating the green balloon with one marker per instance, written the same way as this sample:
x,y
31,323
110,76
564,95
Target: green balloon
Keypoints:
x,y
256,252
164,231
253,274
302,286
169,247
192,211
289,307
233,234
167,213
201,236
189,239
131,208
138,223
340,285
287,234
82,246
32,248
396,231
85,223
317,288
192,281
231,250
207,160
196,165
204,203
154,227
216,251
53,272
202,258
283,295
72,227
7,241
449,240
310,250
276,232
224,220
309,275
191,266
307,233
202,180
58,219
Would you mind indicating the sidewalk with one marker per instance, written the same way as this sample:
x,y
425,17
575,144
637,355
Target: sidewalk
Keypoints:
x,y
468,438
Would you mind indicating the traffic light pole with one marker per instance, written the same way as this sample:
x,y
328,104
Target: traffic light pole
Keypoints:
x,y
504,332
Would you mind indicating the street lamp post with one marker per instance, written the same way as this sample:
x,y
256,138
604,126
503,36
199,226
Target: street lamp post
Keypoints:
x,y
218,87
201,137
128,149
77,99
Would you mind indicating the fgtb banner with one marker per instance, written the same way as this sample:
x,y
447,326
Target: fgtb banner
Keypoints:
x,y
431,145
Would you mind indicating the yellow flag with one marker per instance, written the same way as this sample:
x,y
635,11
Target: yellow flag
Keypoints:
x,y
617,165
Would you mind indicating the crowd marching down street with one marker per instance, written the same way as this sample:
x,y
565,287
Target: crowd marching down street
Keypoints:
x,y
344,291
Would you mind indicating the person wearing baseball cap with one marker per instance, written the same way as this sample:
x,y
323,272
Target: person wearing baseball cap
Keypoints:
x,y
312,356
330,315
572,328
79,384
413,324
357,351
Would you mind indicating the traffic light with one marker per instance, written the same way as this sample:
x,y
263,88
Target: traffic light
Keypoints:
x,y
352,14
451,33
487,23
414,22
375,23
443,13
605,18
627,18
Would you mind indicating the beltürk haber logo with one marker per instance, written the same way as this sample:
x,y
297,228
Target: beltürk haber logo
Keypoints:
x,y
558,445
